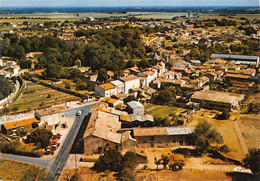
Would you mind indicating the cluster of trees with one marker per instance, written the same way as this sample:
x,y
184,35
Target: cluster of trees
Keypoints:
x,y
166,97
249,30
16,147
225,22
6,87
57,71
40,137
165,160
113,160
108,48
56,51
203,53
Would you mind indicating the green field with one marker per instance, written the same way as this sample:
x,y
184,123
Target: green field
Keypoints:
x,y
35,96
162,111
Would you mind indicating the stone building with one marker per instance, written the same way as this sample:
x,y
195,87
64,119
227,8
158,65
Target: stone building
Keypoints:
x,y
217,100
135,107
161,137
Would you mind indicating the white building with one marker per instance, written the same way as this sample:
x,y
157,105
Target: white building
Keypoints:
x,y
148,76
1,62
10,63
135,107
120,86
105,90
5,74
14,69
131,82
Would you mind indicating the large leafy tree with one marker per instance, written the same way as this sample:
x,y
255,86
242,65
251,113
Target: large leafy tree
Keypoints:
x,y
166,96
251,160
54,70
102,75
41,137
206,138
111,160
114,161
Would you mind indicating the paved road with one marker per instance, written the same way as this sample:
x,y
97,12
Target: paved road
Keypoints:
x,y
240,137
37,161
17,88
59,162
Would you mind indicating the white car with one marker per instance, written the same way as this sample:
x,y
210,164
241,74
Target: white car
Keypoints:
x,y
79,113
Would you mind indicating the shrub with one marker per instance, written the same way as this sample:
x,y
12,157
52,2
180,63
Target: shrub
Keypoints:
x,y
177,165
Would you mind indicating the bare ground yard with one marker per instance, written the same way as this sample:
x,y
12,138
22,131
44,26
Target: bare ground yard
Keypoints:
x,y
161,175
224,127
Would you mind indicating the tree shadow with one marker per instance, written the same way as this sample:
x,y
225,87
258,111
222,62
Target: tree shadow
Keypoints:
x,y
237,176
186,152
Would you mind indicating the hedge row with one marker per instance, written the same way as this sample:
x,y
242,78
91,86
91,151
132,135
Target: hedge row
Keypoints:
x,y
9,148
59,88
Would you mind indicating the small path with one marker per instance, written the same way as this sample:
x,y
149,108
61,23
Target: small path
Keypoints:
x,y
240,137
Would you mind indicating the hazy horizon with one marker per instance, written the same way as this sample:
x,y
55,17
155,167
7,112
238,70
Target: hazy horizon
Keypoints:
x,y
125,3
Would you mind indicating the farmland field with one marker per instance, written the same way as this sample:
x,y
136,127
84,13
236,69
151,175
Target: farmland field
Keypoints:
x,y
35,96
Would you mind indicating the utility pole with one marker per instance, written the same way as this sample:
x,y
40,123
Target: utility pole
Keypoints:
x,y
77,145
76,163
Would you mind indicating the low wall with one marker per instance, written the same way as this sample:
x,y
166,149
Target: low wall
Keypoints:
x,y
59,88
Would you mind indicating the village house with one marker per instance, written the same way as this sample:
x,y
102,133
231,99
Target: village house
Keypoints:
x,y
77,63
102,130
135,107
45,114
18,124
5,74
211,75
112,102
217,100
161,137
147,76
105,90
10,63
238,77
120,86
129,121
199,82
1,62
14,69
130,82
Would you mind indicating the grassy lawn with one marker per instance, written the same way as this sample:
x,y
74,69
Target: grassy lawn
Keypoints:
x,y
12,170
35,96
157,110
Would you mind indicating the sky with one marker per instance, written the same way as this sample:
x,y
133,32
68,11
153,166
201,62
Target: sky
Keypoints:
x,y
124,3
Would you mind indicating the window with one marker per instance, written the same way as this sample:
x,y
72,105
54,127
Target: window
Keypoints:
x,y
152,138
